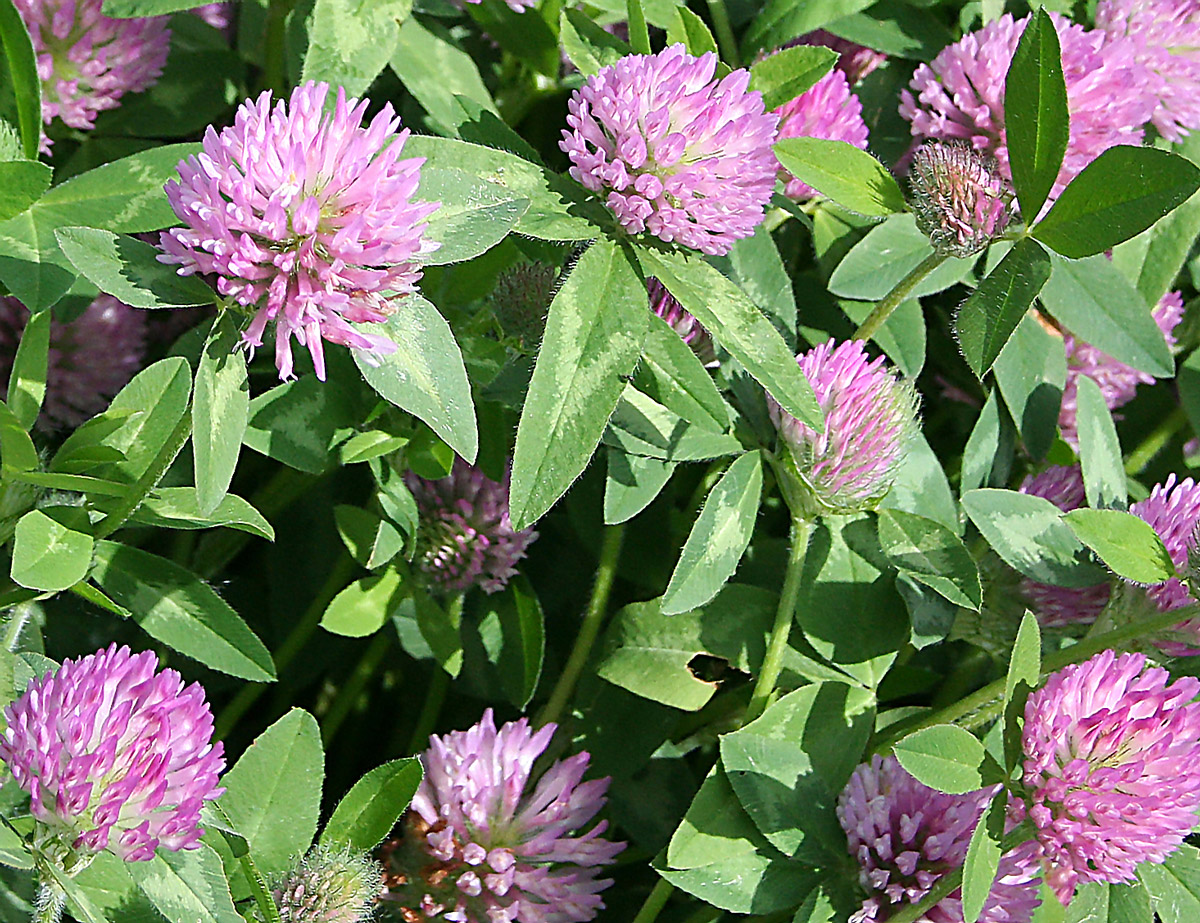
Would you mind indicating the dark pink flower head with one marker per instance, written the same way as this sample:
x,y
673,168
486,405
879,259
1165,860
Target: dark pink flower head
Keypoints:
x,y
490,842
960,94
870,418
114,755
854,60
306,218
91,358
675,151
1053,605
825,110
1112,765
466,538
960,202
1166,34
87,61
1174,512
1118,382
906,836
663,304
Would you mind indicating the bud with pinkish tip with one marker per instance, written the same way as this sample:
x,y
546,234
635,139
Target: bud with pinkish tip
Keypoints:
x,y
959,199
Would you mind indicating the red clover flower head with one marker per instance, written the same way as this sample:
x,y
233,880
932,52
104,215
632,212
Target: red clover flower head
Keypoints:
x,y
305,217
1112,764
486,842
825,110
1118,382
675,151
114,755
870,419
960,94
960,202
906,836
466,537
1056,606
1166,34
91,358
87,61
1173,509
663,304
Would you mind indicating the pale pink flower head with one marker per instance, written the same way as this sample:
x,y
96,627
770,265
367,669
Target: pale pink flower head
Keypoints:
x,y
674,151
906,835
959,200
1166,34
825,110
306,218
870,419
1056,606
1118,382
1173,509
664,304
114,755
465,537
854,60
960,94
87,61
218,15
487,839
1112,765
90,360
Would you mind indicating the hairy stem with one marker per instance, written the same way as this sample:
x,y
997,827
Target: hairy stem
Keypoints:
x,y
893,299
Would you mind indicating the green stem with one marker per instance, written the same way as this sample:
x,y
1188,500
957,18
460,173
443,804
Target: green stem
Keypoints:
x,y
725,40
258,884
348,695
656,900
274,45
50,901
149,479
292,645
986,703
1155,442
606,571
768,676
893,299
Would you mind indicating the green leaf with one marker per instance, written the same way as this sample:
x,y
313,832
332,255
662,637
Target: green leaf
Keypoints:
x,y
23,77
441,629
27,381
1127,544
1028,532
17,451
1170,239
888,253
778,21
47,555
362,607
179,508
371,540
671,374
1099,449
641,426
789,789
639,35
719,537
367,813
593,340
1174,885
1024,671
152,404
187,885
851,177
631,484
689,30
425,374
587,45
435,71
1096,303
13,851
474,216
1035,102
983,858
273,792
783,76
944,757
220,413
739,326
127,269
176,607
1116,196
514,630
22,182
932,554
990,315
1031,372
134,9
349,43
301,422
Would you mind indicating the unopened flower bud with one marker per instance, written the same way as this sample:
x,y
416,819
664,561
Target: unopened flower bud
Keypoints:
x,y
328,886
959,199
521,298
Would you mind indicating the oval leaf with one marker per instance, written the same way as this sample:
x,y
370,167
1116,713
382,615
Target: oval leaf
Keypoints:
x,y
851,177
1127,544
944,757
47,555
370,809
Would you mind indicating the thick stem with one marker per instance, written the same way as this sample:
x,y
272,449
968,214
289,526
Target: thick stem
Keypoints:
x,y
893,299
51,899
725,40
348,695
768,676
606,571
292,645
655,902
267,907
1155,442
149,479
